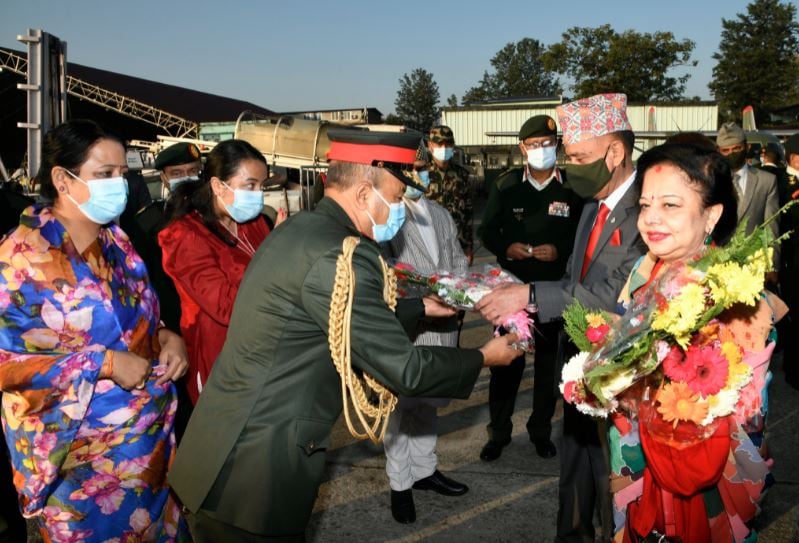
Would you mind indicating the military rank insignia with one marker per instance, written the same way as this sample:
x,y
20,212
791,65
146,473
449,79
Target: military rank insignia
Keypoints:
x,y
559,209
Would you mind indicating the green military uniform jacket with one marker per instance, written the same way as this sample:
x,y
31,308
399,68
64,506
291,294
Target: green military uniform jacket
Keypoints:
x,y
518,213
449,187
253,453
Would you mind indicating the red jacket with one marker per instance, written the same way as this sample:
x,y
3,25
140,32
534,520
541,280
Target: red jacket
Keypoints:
x,y
207,273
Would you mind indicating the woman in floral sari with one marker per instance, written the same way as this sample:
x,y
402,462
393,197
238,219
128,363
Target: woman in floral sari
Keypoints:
x,y
691,487
85,371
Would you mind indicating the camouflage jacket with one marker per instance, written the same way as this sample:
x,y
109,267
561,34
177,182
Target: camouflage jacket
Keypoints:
x,y
449,187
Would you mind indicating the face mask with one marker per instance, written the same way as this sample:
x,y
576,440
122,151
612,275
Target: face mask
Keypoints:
x,y
586,180
107,198
423,178
396,216
174,183
736,160
247,204
542,158
442,154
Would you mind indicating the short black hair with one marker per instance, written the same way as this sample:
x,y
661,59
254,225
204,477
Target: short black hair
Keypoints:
x,y
708,171
66,146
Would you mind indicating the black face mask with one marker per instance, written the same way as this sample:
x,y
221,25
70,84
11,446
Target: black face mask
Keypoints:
x,y
586,180
736,160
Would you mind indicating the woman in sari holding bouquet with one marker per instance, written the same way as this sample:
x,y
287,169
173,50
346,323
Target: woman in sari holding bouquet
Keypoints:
x,y
684,372
86,369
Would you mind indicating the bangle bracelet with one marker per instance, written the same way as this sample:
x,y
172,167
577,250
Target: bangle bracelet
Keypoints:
x,y
108,365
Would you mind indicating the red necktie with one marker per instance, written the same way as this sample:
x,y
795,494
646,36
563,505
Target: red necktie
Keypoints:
x,y
593,239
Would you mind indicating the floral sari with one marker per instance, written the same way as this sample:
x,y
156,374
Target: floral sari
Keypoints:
x,y
89,458
710,488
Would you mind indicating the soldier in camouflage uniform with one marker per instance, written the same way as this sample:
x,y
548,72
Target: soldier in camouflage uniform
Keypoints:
x,y
449,185
789,271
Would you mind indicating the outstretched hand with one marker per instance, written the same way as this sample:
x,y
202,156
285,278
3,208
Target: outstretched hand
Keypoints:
x,y
503,301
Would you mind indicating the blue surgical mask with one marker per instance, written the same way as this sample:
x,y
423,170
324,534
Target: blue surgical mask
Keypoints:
x,y
107,198
174,183
422,178
542,158
442,154
247,204
396,216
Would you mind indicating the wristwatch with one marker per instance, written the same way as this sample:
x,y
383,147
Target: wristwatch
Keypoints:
x,y
531,306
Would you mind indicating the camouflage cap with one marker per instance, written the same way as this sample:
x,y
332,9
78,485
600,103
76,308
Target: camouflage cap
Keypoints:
x,y
792,146
179,153
442,134
538,126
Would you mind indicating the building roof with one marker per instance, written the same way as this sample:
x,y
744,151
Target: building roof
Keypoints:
x,y
190,104
331,110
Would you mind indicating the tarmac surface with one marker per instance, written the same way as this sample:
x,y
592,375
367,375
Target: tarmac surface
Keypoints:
x,y
514,498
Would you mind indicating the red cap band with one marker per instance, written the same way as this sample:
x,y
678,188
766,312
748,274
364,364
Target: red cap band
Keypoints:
x,y
368,154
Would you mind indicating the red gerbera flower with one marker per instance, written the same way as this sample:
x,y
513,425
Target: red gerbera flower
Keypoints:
x,y
676,365
711,370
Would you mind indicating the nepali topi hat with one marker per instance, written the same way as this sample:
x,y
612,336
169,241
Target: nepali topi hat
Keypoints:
x,y
592,117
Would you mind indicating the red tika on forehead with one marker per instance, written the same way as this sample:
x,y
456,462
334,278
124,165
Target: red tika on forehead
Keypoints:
x,y
368,154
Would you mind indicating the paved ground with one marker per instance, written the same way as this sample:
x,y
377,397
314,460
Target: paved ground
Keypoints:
x,y
514,498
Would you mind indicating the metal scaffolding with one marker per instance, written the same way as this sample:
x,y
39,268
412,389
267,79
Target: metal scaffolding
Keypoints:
x,y
169,123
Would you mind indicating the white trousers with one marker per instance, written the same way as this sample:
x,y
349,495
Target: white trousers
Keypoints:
x,y
410,441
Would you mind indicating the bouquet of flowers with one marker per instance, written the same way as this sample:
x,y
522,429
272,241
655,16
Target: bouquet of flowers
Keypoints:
x,y
672,333
463,291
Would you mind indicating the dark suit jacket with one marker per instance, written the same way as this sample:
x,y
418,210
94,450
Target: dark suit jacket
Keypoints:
x,y
609,267
253,453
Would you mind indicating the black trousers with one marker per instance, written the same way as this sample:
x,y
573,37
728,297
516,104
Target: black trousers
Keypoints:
x,y
584,485
504,386
788,328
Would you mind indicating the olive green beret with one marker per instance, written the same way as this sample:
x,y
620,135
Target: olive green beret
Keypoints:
x,y
179,153
538,126
442,134
792,145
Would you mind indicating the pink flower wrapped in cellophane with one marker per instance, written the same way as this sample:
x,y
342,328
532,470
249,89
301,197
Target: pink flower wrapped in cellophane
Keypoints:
x,y
463,290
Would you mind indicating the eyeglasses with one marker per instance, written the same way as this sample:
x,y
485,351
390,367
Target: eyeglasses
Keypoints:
x,y
539,144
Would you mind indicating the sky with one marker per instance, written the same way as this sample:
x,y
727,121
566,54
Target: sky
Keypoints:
x,y
289,55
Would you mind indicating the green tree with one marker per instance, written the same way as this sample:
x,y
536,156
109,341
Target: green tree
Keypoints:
x,y
518,71
452,101
417,99
601,60
757,60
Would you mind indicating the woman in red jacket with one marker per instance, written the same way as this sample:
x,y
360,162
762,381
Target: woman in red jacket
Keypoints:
x,y
214,228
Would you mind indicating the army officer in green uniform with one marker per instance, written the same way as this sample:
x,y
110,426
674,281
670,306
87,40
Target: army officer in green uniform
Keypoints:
x,y
253,455
530,222
449,185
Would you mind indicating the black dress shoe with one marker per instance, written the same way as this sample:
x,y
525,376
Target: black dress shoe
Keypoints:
x,y
544,448
402,508
493,450
438,482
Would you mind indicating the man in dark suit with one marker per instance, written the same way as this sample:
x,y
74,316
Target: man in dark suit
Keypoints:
x,y
598,143
253,456
529,222
790,261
